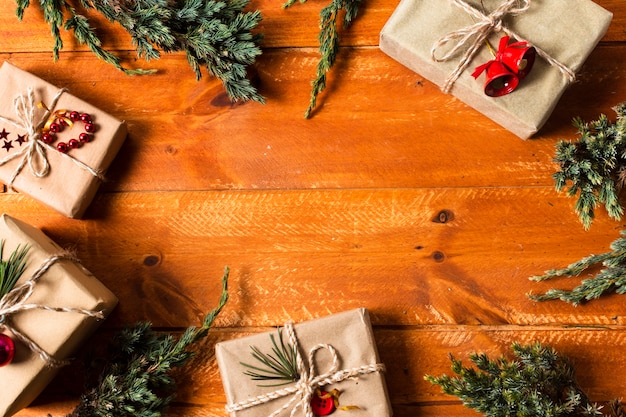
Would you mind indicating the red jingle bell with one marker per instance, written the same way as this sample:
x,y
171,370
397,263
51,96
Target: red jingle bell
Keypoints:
x,y
519,57
7,349
500,79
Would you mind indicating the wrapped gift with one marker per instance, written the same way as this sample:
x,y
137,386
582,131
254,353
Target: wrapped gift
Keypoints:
x,y
339,368
445,41
55,305
53,146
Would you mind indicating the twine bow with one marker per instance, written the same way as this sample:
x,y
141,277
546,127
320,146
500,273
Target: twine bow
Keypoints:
x,y
305,387
34,153
473,37
15,301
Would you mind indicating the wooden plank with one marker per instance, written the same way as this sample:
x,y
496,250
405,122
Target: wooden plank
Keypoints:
x,y
325,251
400,135
408,354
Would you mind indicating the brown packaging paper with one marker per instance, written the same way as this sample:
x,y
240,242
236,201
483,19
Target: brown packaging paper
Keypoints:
x,y
59,334
67,188
350,333
567,30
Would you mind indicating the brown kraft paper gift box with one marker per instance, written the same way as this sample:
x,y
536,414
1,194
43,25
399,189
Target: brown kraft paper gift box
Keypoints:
x,y
349,332
68,187
566,30
65,284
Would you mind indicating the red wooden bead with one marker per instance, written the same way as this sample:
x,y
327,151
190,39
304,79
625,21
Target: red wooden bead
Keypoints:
x,y
90,127
322,404
62,147
7,349
74,116
55,127
85,118
84,137
73,144
47,138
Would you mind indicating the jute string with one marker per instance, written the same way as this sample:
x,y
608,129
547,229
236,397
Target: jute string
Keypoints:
x,y
34,153
473,37
15,301
304,388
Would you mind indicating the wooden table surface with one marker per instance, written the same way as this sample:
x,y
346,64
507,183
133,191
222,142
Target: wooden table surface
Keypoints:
x,y
394,197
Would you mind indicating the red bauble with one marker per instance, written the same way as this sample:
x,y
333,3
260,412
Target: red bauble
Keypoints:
x,y
7,349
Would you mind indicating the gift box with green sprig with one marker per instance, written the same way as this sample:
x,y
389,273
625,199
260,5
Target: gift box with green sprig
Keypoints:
x,y
308,369
509,59
49,305
53,146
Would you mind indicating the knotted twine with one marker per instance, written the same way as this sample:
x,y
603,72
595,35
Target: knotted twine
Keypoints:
x,y
307,384
475,35
34,153
15,301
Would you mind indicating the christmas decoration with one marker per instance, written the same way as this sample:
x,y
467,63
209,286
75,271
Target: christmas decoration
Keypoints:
x,y
334,360
329,41
539,382
441,39
611,278
32,119
50,311
136,379
594,166
216,35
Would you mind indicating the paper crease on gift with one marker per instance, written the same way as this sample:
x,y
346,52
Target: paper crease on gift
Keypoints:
x,y
67,188
348,332
568,30
59,334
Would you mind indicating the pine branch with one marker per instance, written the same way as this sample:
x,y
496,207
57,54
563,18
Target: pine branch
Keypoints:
x,y
329,41
612,278
213,34
11,269
136,379
594,166
280,366
538,383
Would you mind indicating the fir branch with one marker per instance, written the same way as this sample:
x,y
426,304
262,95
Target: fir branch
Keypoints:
x,y
11,269
281,366
329,41
136,380
213,34
594,166
612,278
539,382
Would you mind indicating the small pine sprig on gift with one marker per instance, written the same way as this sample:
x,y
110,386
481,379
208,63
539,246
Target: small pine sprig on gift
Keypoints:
x,y
612,278
281,366
539,382
213,34
595,166
329,41
11,269
136,379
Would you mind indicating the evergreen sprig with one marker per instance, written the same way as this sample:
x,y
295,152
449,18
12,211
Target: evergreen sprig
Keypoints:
x,y
329,41
279,366
11,269
595,166
537,383
612,278
213,34
136,380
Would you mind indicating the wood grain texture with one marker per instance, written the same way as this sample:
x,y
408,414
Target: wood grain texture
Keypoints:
x,y
393,197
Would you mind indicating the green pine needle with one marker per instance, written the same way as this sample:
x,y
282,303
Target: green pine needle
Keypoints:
x,y
11,269
213,34
281,366
329,42
595,166
538,382
611,278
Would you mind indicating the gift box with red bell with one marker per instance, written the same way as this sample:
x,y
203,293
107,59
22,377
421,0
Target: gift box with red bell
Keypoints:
x,y
54,147
340,373
58,305
512,60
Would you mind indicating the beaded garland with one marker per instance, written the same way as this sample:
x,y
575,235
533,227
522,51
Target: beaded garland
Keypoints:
x,y
61,119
